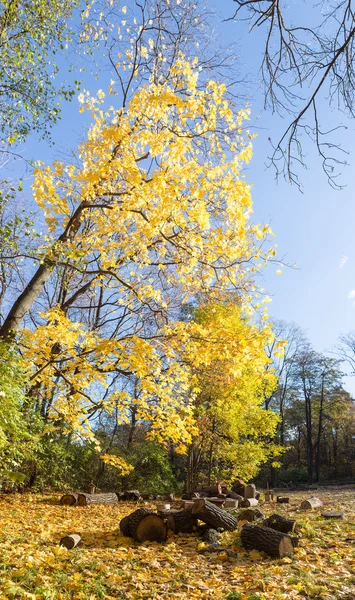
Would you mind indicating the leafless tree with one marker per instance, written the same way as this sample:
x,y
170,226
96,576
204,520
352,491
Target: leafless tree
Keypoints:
x,y
301,66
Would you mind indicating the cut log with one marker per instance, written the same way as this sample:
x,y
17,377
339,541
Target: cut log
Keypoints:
x,y
279,523
88,499
124,526
282,500
129,495
238,487
231,503
182,521
146,525
68,499
162,507
333,515
250,515
247,502
188,503
311,503
274,543
70,541
217,501
213,515
235,496
211,536
249,491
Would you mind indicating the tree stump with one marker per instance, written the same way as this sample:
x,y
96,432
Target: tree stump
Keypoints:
x,y
144,525
311,503
279,523
213,515
247,502
274,543
68,499
182,521
269,496
88,499
282,500
70,541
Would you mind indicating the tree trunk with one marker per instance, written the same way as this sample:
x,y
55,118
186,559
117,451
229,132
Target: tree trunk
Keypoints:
x,y
279,523
320,426
144,525
311,503
274,543
25,300
214,516
70,541
88,499
182,521
68,499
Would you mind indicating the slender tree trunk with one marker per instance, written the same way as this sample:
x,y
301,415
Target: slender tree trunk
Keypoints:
x,y
320,427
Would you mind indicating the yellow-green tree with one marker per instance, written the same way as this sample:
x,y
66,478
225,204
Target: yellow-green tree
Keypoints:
x,y
232,371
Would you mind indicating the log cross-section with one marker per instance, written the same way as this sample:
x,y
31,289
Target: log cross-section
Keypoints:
x,y
274,543
214,516
68,499
143,525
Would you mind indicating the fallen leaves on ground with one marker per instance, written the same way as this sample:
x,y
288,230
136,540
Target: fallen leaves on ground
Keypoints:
x,y
112,567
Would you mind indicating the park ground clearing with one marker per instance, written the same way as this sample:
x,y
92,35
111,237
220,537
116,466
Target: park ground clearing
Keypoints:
x,y
109,566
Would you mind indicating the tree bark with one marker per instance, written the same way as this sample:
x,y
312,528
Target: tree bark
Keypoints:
x,y
25,300
182,521
88,499
274,543
214,516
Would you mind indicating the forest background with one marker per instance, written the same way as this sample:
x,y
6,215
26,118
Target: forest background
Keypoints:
x,y
141,353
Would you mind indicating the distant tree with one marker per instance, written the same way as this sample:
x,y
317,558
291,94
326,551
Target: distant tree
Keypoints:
x,y
308,56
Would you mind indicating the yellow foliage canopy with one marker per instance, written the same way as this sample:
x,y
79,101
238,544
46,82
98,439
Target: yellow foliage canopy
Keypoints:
x,y
156,214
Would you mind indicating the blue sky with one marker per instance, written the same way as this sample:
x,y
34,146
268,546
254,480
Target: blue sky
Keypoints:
x,y
314,230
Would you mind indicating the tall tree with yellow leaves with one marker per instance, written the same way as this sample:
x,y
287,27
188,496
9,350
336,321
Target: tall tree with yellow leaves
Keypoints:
x,y
156,213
